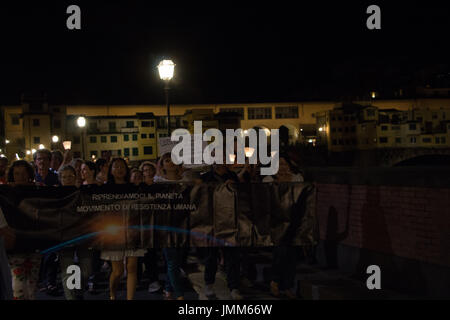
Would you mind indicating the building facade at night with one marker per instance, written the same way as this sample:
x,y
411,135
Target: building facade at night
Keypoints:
x,y
132,131
356,127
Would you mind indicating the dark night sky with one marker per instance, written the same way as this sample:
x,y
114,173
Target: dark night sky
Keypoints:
x,y
224,53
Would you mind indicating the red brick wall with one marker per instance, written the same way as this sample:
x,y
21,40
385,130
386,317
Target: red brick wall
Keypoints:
x,y
403,221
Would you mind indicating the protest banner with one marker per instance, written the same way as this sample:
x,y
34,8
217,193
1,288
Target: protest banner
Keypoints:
x,y
161,215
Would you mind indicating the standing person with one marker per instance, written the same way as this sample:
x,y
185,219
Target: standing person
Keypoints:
x,y
47,177
24,266
284,257
151,258
76,164
84,255
3,168
88,176
173,256
136,176
88,173
222,174
102,171
251,173
7,238
119,173
56,160
149,171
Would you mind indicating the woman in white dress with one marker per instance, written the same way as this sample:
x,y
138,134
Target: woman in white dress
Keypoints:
x,y
119,173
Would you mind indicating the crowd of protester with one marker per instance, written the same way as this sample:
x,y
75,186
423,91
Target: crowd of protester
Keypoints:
x,y
31,271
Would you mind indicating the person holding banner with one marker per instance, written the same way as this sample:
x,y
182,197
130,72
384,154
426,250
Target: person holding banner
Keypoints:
x,y
119,173
220,173
284,256
136,176
173,256
89,173
102,170
7,237
45,176
148,170
84,256
150,260
24,266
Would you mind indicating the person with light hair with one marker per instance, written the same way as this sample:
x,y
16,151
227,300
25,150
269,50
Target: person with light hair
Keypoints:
x,y
136,176
148,170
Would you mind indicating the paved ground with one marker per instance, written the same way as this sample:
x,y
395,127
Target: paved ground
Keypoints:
x,y
312,283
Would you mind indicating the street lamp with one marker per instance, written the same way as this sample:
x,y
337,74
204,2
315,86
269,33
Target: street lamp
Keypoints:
x,y
55,139
166,69
81,123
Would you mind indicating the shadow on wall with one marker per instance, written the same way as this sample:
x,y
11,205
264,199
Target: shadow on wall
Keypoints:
x,y
400,274
333,238
377,250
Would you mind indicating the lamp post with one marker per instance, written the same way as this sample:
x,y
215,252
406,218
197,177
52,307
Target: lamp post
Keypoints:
x,y
166,69
81,123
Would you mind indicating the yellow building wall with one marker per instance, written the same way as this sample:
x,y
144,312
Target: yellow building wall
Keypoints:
x,y
43,131
13,133
147,142
306,112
